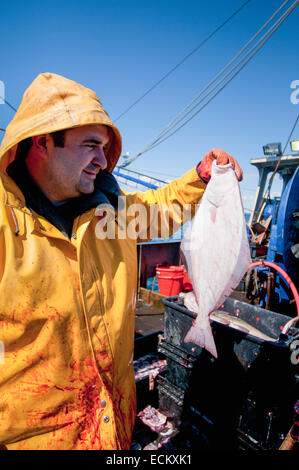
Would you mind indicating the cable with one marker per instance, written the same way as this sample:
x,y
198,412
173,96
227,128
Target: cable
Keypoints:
x,y
182,61
278,163
269,34
158,140
267,191
8,104
171,124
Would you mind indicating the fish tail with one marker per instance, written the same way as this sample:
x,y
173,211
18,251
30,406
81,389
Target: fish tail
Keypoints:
x,y
203,337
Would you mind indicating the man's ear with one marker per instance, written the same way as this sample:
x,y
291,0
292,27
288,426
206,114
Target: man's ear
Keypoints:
x,y
41,143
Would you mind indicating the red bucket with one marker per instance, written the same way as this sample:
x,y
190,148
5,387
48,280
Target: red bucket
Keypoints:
x,y
170,279
187,285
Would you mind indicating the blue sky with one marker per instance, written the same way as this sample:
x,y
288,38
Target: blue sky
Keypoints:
x,y
121,48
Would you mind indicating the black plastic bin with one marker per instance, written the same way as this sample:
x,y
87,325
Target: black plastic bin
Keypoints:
x,y
245,397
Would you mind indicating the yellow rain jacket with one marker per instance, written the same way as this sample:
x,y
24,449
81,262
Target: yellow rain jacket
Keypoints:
x,y
67,305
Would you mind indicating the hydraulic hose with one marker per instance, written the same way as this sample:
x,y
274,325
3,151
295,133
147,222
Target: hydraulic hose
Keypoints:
x,y
283,274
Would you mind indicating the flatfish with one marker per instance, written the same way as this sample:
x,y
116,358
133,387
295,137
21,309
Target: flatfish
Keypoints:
x,y
215,251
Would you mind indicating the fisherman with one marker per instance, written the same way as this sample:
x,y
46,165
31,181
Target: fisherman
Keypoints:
x,y
67,297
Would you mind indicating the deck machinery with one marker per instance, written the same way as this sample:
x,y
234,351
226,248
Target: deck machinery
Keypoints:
x,y
274,226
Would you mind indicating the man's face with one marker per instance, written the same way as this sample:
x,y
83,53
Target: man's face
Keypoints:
x,y
73,168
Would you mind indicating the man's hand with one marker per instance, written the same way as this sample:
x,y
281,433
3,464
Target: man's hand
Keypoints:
x,y
222,158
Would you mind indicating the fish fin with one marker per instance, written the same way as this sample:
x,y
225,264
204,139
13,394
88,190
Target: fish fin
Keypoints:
x,y
203,337
190,301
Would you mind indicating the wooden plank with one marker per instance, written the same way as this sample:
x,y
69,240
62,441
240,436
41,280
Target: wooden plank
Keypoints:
x,y
151,298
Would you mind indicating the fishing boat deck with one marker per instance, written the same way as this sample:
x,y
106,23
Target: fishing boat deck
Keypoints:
x,y
149,316
148,319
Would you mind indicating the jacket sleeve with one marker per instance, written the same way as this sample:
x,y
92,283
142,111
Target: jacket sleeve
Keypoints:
x,y
161,212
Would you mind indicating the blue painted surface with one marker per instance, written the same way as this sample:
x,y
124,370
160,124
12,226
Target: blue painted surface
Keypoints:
x,y
284,234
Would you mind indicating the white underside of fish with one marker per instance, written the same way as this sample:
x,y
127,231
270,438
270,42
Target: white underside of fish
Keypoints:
x,y
215,251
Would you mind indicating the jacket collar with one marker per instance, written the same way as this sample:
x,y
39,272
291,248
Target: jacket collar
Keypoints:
x,y
22,193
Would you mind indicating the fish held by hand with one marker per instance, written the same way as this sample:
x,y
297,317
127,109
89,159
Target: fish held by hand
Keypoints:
x,y
215,251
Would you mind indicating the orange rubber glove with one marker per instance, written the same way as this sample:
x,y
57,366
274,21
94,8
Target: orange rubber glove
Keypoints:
x,y
222,158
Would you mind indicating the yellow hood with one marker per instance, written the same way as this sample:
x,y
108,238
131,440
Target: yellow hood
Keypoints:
x,y
52,103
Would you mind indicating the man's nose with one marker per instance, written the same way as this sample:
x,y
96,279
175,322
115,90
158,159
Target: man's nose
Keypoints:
x,y
100,159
